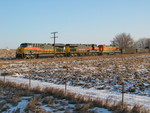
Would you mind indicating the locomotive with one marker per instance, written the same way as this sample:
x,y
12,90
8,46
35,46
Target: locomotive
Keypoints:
x,y
36,50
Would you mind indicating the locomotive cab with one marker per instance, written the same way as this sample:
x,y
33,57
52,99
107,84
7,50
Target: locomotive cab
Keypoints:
x,y
21,50
35,50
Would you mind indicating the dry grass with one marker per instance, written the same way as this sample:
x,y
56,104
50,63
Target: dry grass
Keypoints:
x,y
82,103
86,72
83,107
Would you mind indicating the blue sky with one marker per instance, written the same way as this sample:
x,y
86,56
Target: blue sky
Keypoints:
x,y
76,21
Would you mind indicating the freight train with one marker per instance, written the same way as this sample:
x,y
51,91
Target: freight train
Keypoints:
x,y
36,50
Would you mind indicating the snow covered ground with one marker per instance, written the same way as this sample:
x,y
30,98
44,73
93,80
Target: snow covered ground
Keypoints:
x,y
45,103
131,99
94,77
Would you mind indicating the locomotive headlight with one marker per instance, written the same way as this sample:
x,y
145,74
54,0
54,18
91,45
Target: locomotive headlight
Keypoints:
x,y
20,50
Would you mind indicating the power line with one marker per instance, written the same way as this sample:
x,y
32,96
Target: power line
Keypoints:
x,y
54,33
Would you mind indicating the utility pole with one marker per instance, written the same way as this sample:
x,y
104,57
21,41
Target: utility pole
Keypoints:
x,y
123,94
54,40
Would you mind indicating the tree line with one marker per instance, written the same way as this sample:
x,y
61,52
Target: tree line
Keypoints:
x,y
124,40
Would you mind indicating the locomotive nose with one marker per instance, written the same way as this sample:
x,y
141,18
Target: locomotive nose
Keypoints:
x,y
19,52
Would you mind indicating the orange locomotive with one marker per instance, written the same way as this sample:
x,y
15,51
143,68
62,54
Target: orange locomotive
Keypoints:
x,y
109,49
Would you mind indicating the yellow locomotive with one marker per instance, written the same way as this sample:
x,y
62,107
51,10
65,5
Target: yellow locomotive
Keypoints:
x,y
36,50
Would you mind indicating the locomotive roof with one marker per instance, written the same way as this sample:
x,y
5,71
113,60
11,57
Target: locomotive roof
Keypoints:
x,y
80,44
107,45
57,44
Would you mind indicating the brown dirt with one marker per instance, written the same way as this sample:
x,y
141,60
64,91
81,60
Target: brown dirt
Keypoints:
x,y
7,53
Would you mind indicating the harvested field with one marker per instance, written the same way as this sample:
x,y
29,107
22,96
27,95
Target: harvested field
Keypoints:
x,y
99,73
7,53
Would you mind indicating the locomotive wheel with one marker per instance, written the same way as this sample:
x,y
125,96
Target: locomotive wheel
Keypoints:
x,y
87,54
26,57
32,56
79,54
92,54
56,55
61,55
72,55
29,56
76,54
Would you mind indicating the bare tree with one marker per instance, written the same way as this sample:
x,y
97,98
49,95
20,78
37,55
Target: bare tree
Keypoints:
x,y
123,40
148,43
143,43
